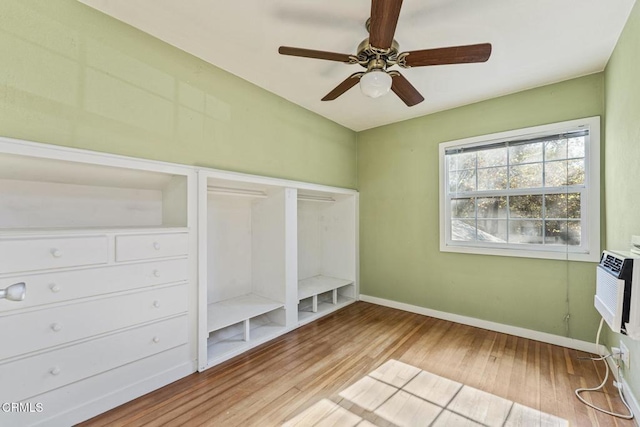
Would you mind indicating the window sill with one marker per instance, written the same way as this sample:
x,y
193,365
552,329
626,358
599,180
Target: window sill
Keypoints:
x,y
592,256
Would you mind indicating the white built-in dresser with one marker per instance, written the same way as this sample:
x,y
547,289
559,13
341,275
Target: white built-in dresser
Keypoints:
x,y
106,249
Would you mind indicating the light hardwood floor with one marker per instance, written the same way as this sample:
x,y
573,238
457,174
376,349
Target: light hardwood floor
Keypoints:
x,y
312,365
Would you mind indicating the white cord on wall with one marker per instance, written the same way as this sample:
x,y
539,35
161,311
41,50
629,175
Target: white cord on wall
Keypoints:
x,y
606,377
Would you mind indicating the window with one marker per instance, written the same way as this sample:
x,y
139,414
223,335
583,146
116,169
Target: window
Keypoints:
x,y
531,192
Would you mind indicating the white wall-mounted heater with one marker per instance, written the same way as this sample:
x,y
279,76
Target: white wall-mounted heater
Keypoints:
x,y
618,292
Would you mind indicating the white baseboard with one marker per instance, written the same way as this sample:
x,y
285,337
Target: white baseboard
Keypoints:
x,y
626,390
485,324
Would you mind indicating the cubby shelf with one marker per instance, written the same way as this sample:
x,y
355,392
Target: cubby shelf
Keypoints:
x,y
323,307
235,310
319,284
221,350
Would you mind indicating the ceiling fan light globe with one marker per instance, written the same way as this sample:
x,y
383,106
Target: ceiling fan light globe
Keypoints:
x,y
375,83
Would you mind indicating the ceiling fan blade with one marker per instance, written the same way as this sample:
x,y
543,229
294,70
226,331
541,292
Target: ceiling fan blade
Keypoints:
x,y
405,90
347,84
449,55
384,18
316,54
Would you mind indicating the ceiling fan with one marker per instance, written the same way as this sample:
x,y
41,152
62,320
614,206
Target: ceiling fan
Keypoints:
x,y
380,51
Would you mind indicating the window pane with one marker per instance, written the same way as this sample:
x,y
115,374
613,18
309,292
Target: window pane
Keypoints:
x,y
492,230
562,233
555,232
525,231
461,161
529,206
492,157
555,174
555,150
555,205
574,206
463,208
492,179
492,207
575,172
525,153
575,147
562,205
463,230
462,181
575,233
526,176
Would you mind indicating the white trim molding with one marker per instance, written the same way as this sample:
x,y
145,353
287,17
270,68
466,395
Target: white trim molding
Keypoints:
x,y
572,343
626,390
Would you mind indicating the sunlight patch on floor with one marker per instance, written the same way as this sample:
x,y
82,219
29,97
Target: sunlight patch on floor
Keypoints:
x,y
397,394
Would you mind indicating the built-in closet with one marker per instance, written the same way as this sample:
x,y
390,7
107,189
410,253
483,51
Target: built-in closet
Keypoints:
x,y
274,254
326,252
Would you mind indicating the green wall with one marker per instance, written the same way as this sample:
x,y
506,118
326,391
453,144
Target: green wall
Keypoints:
x,y
399,225
622,154
75,77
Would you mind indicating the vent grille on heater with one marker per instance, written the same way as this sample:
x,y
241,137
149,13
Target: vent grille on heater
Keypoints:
x,y
607,293
612,263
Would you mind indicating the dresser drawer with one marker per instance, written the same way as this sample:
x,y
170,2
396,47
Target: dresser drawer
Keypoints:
x,y
147,246
52,287
38,374
36,330
18,255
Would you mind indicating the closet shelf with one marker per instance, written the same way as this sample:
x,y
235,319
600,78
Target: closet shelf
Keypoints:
x,y
319,284
234,310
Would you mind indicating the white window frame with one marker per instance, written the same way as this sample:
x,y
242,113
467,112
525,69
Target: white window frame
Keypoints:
x,y
589,249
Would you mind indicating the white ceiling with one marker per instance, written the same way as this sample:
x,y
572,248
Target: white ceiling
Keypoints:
x,y
535,42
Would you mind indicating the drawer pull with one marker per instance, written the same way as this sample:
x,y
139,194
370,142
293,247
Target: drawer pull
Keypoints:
x,y
15,292
156,304
156,273
156,340
56,327
54,288
156,246
57,253
55,370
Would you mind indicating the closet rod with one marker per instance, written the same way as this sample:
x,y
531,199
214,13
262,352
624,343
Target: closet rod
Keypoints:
x,y
310,198
224,191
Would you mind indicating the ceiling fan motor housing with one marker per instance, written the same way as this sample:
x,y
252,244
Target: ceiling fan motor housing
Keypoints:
x,y
367,53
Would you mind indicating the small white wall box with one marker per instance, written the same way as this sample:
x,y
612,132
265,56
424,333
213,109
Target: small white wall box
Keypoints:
x,y
617,296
